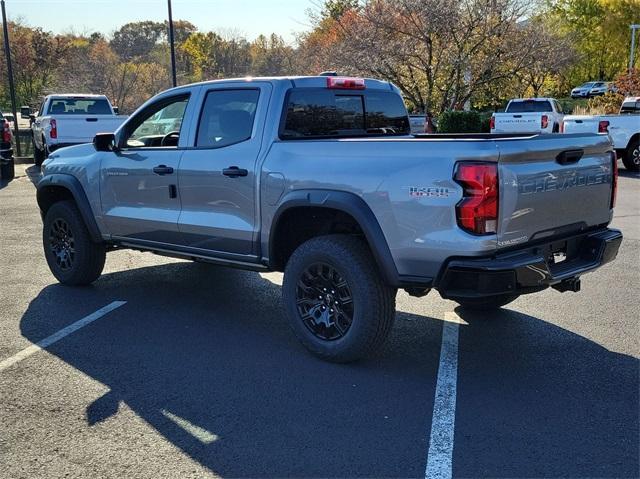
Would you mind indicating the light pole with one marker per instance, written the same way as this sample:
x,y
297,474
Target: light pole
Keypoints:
x,y
12,90
633,44
173,48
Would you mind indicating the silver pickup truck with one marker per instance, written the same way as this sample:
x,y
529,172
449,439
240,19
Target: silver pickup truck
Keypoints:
x,y
319,177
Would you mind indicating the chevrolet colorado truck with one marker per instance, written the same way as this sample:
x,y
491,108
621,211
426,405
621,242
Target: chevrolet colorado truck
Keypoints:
x,y
319,177
528,115
70,119
623,129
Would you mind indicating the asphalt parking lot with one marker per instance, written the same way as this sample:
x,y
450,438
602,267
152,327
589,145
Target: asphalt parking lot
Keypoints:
x,y
196,374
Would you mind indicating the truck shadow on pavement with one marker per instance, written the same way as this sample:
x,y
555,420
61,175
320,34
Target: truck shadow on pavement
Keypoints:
x,y
204,355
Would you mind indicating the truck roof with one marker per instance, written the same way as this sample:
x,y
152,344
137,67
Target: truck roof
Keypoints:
x,y
75,95
297,81
533,99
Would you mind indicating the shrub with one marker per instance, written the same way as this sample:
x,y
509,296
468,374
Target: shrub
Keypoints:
x,y
628,83
460,122
607,104
569,105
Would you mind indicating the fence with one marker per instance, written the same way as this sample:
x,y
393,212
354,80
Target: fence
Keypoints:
x,y
26,146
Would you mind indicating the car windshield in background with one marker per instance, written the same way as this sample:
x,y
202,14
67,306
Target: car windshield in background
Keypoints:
x,y
531,106
322,113
79,106
587,85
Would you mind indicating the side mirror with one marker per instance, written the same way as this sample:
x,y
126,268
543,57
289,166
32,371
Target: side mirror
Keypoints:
x,y
25,112
116,110
104,142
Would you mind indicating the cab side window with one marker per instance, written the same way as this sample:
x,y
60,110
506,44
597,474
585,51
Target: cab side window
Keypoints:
x,y
227,117
159,125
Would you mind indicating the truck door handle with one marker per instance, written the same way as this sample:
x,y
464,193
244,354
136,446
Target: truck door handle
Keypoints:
x,y
569,156
234,171
163,170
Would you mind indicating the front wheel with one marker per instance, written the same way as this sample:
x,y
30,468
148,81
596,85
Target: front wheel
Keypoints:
x,y
488,302
631,157
73,257
336,302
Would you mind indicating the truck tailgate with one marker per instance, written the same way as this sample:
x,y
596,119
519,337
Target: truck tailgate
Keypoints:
x,y
558,185
84,128
517,122
580,124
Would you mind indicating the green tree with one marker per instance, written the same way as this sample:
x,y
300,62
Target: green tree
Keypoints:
x,y
600,32
271,56
137,39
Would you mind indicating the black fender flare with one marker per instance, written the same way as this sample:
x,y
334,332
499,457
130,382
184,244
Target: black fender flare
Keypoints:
x,y
73,186
351,204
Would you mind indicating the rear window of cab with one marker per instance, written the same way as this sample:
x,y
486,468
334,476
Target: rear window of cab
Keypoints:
x,y
312,113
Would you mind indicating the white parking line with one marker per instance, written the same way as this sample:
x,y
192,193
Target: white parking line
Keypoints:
x,y
54,338
440,453
200,433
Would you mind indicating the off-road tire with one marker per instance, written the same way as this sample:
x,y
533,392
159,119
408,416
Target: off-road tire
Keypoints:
x,y
373,302
88,256
631,157
488,303
38,155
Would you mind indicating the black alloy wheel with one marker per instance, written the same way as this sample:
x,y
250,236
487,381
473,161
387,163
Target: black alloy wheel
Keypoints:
x,y
62,244
324,301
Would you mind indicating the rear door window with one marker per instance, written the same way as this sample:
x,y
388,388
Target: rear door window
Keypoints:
x,y
227,117
323,113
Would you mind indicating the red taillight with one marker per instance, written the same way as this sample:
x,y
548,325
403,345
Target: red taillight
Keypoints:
x,y
6,132
492,123
53,133
614,178
544,121
562,127
345,83
477,212
603,126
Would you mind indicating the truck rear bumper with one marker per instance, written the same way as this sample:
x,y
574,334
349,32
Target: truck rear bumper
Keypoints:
x,y
532,269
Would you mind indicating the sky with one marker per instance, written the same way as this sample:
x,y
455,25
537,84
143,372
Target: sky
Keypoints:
x,y
246,17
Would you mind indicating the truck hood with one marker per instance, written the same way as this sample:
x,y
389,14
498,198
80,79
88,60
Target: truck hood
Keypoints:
x,y
70,158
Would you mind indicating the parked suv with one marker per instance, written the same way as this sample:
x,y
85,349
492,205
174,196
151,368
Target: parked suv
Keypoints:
x,y
319,177
590,89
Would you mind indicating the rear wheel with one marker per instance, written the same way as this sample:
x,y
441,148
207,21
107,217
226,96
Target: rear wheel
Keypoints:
x,y
489,302
38,154
72,256
336,302
631,158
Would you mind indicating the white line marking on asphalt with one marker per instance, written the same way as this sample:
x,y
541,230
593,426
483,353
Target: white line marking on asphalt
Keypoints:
x,y
198,432
54,338
439,457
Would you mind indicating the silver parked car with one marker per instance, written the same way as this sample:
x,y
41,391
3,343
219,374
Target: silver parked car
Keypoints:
x,y
590,89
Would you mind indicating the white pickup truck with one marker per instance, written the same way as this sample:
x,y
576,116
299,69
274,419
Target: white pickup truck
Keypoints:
x,y
528,115
69,119
623,129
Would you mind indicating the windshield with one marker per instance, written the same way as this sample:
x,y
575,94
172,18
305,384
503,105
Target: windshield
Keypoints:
x,y
587,85
79,106
529,106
